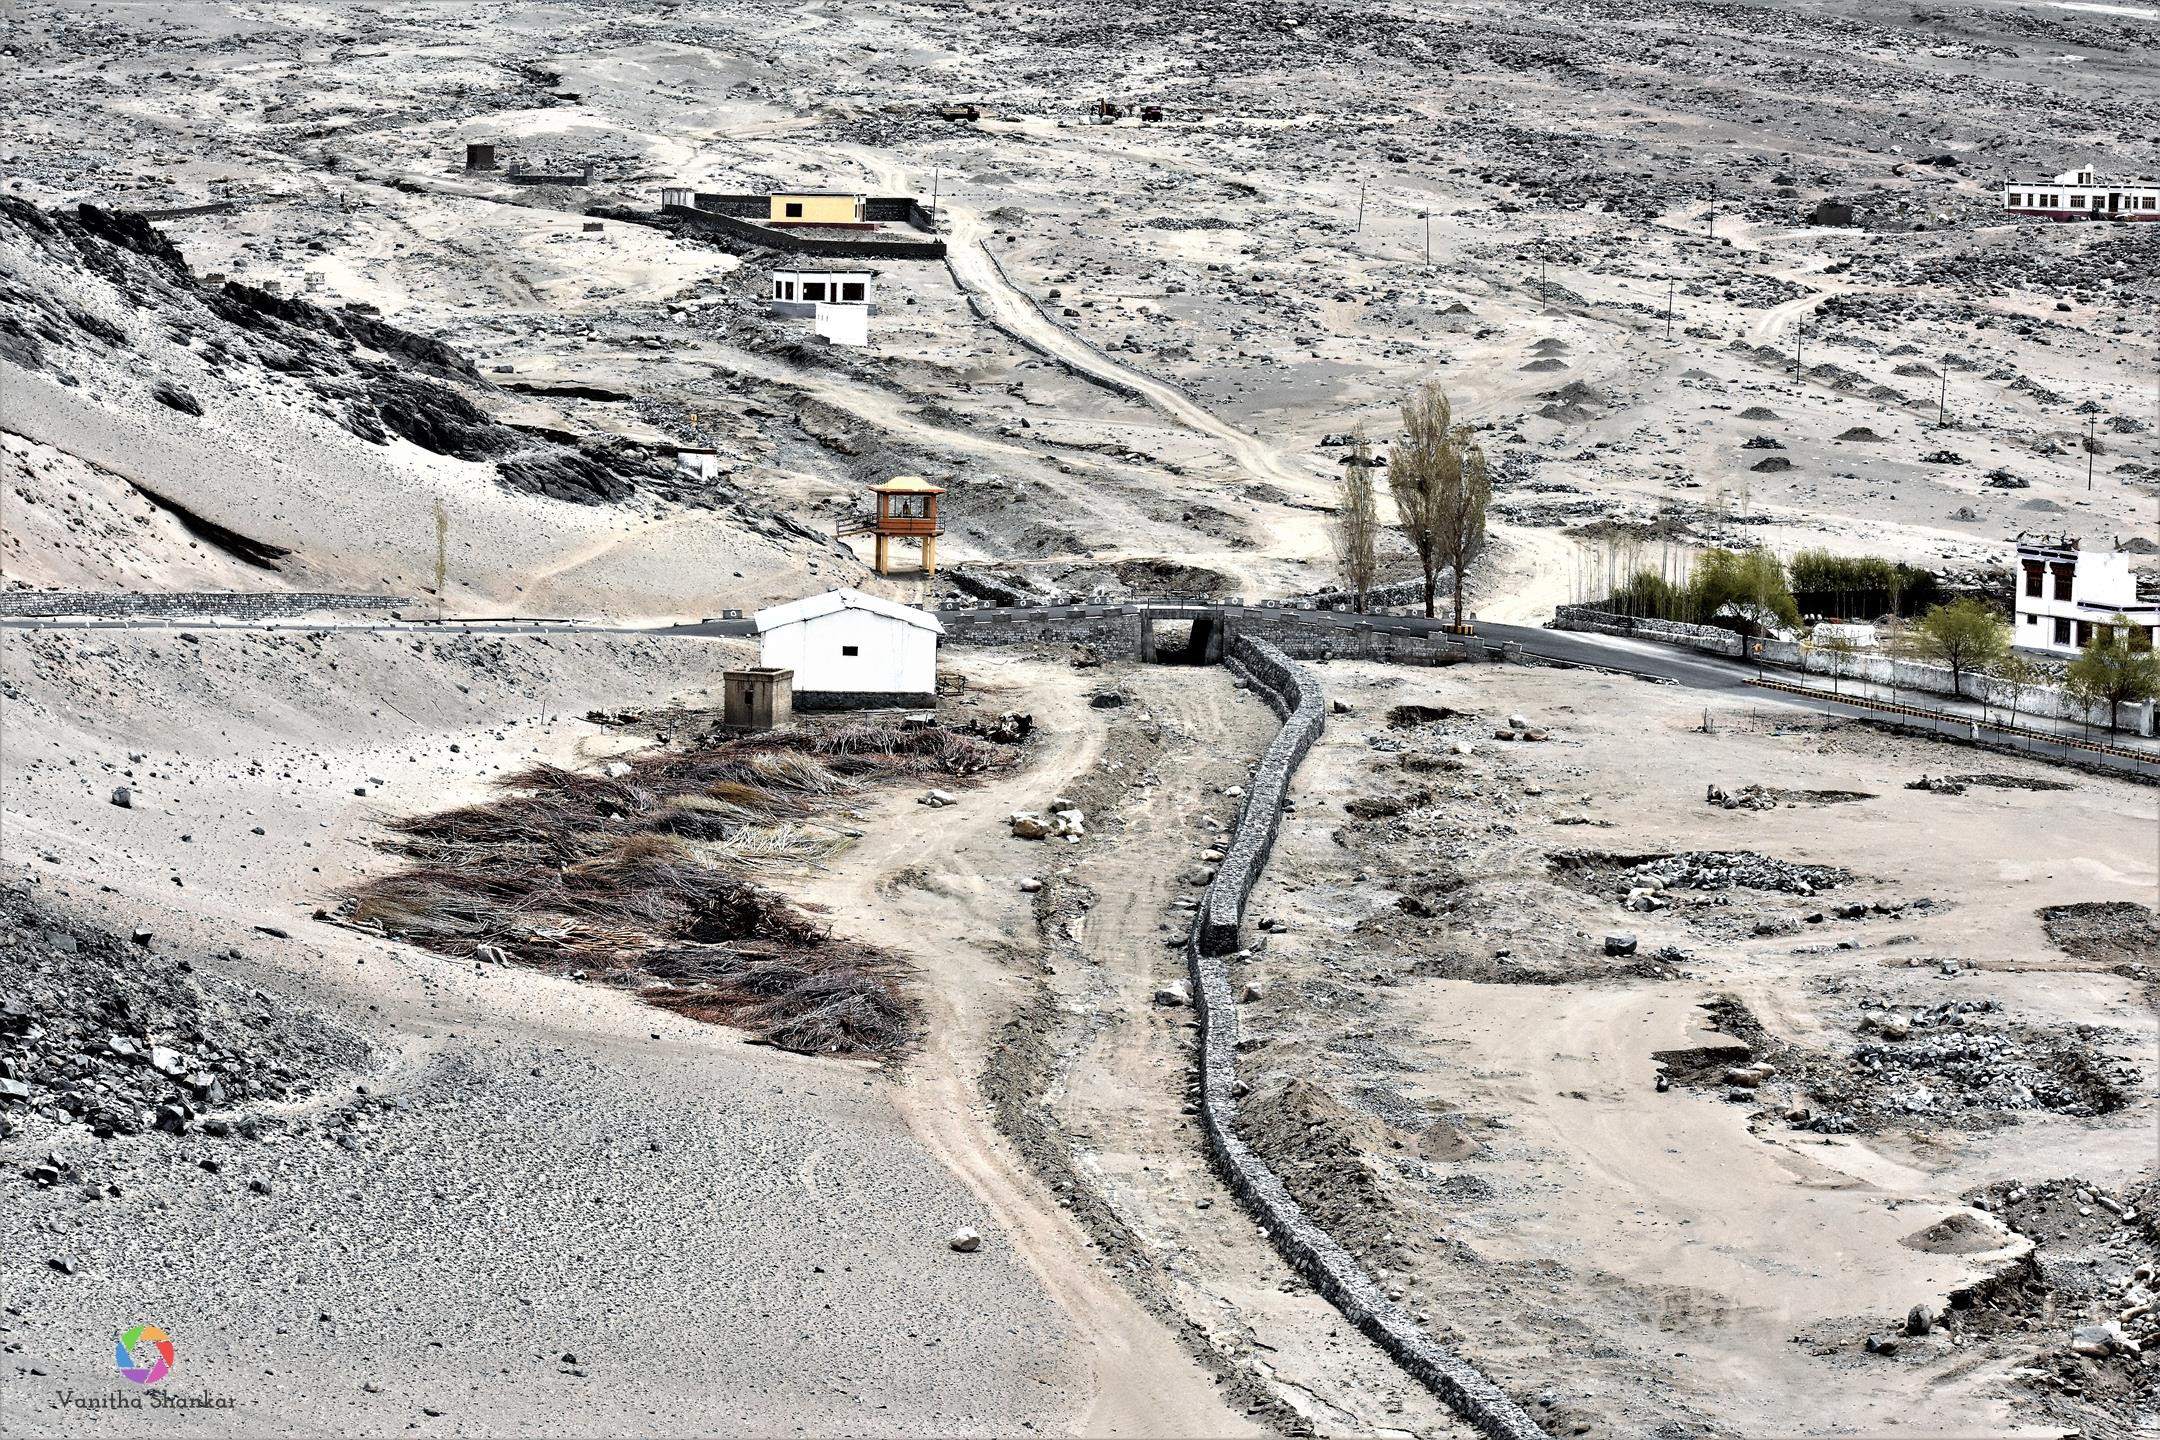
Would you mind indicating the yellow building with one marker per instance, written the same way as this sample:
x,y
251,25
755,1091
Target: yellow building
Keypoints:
x,y
816,208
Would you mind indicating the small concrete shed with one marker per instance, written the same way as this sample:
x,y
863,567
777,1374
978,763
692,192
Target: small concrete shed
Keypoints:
x,y
852,651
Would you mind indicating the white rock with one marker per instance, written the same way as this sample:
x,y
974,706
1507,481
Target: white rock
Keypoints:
x,y
967,1240
615,769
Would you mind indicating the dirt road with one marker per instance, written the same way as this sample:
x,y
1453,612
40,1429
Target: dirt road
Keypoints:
x,y
1112,1069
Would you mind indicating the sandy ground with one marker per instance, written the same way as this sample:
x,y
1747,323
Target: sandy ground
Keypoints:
x,y
1130,396
726,1239
1565,1208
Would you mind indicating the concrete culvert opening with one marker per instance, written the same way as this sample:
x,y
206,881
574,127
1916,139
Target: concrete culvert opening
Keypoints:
x,y
1183,642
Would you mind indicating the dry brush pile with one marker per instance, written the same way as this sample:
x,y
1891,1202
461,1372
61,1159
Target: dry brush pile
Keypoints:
x,y
639,876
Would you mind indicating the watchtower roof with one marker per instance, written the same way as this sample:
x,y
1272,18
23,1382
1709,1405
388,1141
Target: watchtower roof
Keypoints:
x,y
908,485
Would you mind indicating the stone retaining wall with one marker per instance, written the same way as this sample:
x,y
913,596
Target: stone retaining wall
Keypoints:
x,y
1290,689
995,627
225,604
863,700
1306,637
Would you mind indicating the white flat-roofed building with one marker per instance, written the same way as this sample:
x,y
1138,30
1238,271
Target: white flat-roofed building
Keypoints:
x,y
2065,596
800,290
2083,195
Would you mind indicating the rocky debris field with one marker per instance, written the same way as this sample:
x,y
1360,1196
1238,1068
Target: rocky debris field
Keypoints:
x,y
117,1036
1959,1063
2085,1296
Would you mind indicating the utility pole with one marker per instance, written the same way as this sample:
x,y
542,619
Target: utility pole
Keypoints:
x,y
1544,290
1799,328
1427,213
937,177
1361,205
1942,396
2092,440
1671,285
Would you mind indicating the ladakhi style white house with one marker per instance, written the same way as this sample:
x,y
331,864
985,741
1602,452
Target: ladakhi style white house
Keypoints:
x,y
852,651
2066,596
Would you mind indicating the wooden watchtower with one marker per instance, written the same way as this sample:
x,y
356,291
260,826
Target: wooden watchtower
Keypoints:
x,y
907,509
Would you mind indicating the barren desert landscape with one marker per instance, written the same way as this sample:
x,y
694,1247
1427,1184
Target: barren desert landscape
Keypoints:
x,y
699,736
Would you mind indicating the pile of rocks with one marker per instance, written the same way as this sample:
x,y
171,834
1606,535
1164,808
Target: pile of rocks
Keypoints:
x,y
1747,797
1519,728
105,1033
1724,869
1940,1064
1063,821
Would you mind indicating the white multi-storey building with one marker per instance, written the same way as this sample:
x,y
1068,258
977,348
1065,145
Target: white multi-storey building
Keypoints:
x,y
2083,195
2066,596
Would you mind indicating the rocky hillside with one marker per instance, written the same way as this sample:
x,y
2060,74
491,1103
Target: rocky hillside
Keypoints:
x,y
163,430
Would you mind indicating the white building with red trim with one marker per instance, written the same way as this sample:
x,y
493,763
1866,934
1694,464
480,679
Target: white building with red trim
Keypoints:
x,y
2067,596
2083,195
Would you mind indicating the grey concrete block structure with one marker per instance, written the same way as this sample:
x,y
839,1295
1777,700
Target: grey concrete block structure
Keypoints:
x,y
760,697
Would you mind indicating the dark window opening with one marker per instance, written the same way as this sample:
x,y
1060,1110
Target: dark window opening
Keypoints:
x,y
2032,581
794,210
852,291
813,290
2062,631
850,649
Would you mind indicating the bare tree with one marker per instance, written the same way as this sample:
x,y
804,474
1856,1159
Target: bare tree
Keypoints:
x,y
1437,476
1357,521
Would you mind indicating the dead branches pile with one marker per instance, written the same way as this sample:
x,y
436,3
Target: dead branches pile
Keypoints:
x,y
637,875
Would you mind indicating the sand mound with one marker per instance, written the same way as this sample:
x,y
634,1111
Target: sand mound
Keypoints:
x,y
1548,363
1760,412
1859,432
1961,1234
1771,465
1551,347
1575,392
